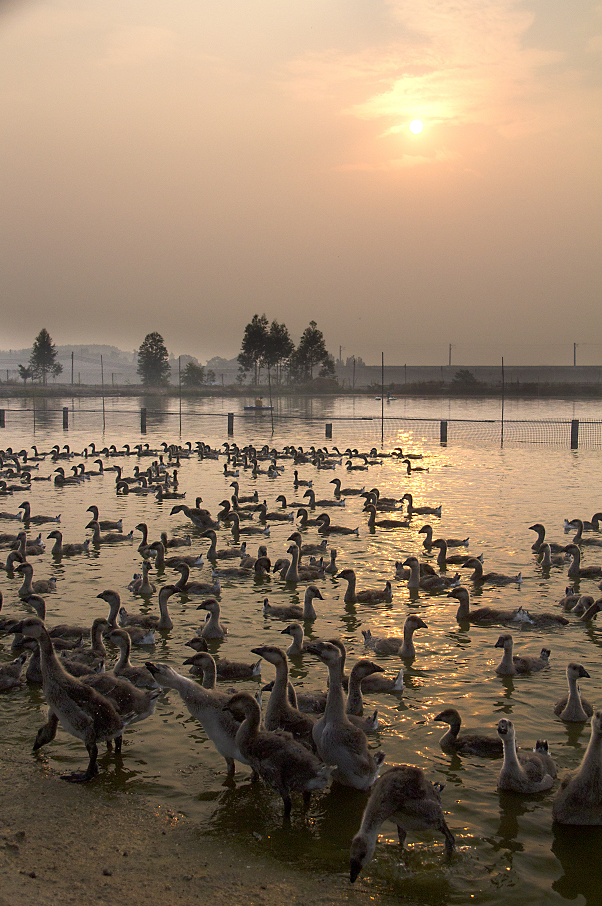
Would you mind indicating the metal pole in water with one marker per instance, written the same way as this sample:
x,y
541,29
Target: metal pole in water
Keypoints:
x,y
503,394
2,418
180,392
271,407
102,382
382,399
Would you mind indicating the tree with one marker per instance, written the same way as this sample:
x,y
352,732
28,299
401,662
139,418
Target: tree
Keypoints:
x,y
25,371
254,343
193,375
153,361
42,360
278,347
310,351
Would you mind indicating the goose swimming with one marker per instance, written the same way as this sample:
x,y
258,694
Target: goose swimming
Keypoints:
x,y
579,799
293,611
525,772
572,708
366,595
467,743
510,665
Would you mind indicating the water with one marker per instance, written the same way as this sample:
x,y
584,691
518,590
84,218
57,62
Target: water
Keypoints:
x,y
507,846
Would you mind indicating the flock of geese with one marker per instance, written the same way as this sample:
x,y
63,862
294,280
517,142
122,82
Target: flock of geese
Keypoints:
x,y
299,742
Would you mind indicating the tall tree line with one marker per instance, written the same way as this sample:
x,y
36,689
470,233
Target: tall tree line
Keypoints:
x,y
270,346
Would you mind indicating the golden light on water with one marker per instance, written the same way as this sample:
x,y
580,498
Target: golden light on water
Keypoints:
x,y
416,126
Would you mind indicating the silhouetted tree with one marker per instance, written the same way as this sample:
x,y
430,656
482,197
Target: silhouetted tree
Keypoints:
x,y
279,346
310,352
254,343
25,371
153,361
193,375
42,360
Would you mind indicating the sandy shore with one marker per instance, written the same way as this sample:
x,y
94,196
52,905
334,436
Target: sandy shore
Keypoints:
x,y
69,844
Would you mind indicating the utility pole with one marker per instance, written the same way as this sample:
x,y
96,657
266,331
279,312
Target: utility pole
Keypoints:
x,y
450,349
574,354
72,367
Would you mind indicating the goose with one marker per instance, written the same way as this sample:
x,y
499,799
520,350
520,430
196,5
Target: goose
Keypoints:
x,y
583,603
61,480
161,561
593,526
126,698
526,772
95,654
141,585
541,534
10,674
109,538
326,528
491,578
223,668
206,706
547,559
212,628
200,517
412,623
229,553
195,588
138,635
236,528
382,645
277,758
260,570
296,573
510,665
13,558
38,519
313,503
467,743
149,621
39,587
570,598
7,622
305,521
357,468
427,531
455,559
367,595
421,510
249,498
579,799
572,708
591,611
354,707
338,741
410,468
29,548
248,561
162,494
280,714
578,539
276,516
404,796
171,543
301,482
139,675
345,492
293,611
81,710
376,682
478,614
298,646
60,549
310,547
373,522
575,570
427,582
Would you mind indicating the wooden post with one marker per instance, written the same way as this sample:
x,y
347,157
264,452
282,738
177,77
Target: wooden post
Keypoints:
x,y
329,430
65,418
443,432
143,421
230,424
1,418
575,434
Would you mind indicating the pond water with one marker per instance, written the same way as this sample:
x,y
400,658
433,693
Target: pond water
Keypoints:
x,y
507,846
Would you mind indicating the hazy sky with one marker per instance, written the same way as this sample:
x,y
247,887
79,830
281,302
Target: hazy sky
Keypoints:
x,y
180,165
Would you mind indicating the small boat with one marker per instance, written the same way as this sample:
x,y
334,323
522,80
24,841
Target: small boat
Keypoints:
x,y
258,407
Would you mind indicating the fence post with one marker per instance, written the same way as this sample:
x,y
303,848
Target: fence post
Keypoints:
x,y
329,430
1,418
65,418
230,424
443,432
143,421
574,434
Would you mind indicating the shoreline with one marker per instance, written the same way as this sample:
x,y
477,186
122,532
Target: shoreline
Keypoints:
x,y
116,846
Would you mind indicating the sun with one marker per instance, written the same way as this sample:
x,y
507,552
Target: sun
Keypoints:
x,y
416,126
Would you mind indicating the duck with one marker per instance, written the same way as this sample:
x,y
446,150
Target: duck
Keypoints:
x,y
467,743
138,635
212,628
37,519
490,578
206,706
224,669
228,553
10,674
427,531
137,674
579,799
525,772
510,665
39,587
81,710
373,522
293,611
195,588
149,621
60,549
277,758
109,538
326,528
541,535
404,796
421,510
367,595
575,570
280,714
572,708
338,741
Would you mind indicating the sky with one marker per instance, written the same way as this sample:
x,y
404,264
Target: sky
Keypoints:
x,y
181,166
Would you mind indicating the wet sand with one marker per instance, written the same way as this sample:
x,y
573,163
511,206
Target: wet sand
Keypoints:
x,y
73,844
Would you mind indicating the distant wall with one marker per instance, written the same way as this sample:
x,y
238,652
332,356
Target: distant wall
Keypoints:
x,y
489,374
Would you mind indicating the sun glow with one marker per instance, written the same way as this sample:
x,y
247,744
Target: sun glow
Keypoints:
x,y
416,126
